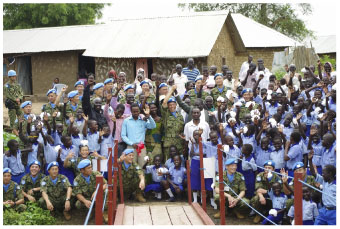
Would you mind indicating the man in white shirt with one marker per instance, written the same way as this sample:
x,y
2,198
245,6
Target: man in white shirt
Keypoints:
x,y
195,124
245,65
292,73
180,79
229,82
261,69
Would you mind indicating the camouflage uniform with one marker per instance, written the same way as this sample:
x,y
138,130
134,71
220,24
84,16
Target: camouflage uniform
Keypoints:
x,y
130,179
50,110
80,186
153,140
69,109
261,182
56,193
245,110
27,184
150,99
14,193
237,185
12,92
215,93
309,180
74,163
193,96
172,127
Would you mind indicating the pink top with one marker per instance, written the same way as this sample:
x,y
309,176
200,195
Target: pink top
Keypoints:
x,y
119,122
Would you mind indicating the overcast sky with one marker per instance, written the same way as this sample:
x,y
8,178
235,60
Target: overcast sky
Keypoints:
x,y
322,20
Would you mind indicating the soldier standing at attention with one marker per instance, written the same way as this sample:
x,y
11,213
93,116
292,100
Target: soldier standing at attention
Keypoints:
x,y
30,183
173,124
85,184
14,95
12,193
132,176
56,191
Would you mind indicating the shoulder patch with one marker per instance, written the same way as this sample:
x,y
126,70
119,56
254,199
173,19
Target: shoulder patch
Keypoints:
x,y
23,182
73,160
137,167
18,187
258,178
7,85
242,177
75,183
280,181
64,180
291,183
43,183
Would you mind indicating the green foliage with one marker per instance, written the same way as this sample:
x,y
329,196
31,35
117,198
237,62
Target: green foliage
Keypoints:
x,y
26,16
326,58
281,17
7,137
280,74
34,215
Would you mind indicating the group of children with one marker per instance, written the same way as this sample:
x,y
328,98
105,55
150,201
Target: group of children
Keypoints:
x,y
269,128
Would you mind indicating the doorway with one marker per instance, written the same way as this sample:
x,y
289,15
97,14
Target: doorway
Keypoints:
x,y
86,65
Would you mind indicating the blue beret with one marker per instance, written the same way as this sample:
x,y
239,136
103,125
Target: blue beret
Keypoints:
x,y
109,80
11,73
162,85
198,78
218,74
7,170
143,82
172,99
269,162
34,163
79,83
231,161
24,104
128,151
246,90
84,163
53,163
51,91
98,85
298,165
127,87
72,94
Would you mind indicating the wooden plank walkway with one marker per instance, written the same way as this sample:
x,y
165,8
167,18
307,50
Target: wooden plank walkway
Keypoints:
x,y
161,214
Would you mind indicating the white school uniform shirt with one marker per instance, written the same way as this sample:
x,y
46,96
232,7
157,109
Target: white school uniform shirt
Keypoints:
x,y
244,67
190,127
50,153
309,210
107,142
265,81
76,143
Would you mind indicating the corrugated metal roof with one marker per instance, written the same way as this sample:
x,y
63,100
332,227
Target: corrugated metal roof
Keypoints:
x,y
162,37
325,44
256,35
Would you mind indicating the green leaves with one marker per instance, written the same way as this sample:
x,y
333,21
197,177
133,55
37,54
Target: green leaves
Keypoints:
x,y
34,215
25,16
7,137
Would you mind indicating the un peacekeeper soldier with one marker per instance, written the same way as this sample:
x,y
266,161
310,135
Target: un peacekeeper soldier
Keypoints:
x,y
56,191
150,98
288,188
14,95
12,193
220,89
30,183
98,90
194,93
234,181
263,184
26,116
132,176
173,125
53,104
247,95
73,105
84,185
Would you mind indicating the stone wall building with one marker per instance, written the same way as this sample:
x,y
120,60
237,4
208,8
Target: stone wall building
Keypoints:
x,y
156,44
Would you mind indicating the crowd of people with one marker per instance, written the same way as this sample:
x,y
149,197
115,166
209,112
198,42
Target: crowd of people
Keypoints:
x,y
269,128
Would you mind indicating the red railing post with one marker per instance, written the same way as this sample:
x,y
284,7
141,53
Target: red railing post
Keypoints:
x,y
298,199
189,182
221,185
109,183
99,200
203,193
115,172
121,184
98,164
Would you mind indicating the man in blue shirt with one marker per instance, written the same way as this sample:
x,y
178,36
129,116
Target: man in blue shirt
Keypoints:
x,y
133,131
191,72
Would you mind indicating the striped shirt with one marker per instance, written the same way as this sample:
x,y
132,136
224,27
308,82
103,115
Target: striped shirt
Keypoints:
x,y
191,73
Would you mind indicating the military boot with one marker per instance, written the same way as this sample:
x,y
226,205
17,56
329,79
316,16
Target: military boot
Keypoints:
x,y
140,198
67,215
257,219
238,214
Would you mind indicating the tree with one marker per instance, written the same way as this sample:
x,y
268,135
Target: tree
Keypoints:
x,y
281,17
25,16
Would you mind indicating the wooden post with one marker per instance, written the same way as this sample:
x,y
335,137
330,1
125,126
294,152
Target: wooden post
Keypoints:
x,y
221,185
110,191
121,184
99,200
115,173
297,198
189,183
203,192
98,164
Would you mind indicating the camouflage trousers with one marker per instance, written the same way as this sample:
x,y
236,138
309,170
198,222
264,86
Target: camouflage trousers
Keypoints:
x,y
241,207
153,149
131,188
58,204
255,203
166,149
80,205
12,114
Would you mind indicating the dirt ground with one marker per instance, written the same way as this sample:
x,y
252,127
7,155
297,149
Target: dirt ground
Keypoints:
x,y
36,109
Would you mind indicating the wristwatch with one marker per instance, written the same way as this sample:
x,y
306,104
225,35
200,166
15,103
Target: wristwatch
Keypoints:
x,y
67,199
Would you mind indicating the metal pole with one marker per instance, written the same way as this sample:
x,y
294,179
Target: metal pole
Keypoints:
x,y
221,185
189,183
109,183
99,200
203,192
297,198
121,184
115,172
